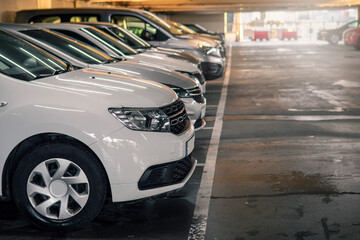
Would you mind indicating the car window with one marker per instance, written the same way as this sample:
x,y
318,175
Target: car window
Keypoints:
x,y
76,36
137,26
129,38
46,19
70,47
111,42
24,61
84,18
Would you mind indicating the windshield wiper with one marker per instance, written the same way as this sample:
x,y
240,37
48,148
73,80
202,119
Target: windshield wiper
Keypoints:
x,y
55,72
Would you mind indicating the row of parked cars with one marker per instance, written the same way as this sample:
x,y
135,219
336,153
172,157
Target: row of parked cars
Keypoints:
x,y
105,108
349,33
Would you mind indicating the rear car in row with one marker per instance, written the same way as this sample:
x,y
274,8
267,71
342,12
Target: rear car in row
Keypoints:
x,y
144,24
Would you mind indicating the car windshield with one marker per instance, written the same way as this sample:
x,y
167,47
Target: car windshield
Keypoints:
x,y
185,28
130,38
70,47
182,28
171,29
22,60
114,44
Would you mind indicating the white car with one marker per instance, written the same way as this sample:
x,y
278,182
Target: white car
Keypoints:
x,y
83,56
70,138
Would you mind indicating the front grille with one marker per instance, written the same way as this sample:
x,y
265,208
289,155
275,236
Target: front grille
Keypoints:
x,y
179,120
196,94
166,174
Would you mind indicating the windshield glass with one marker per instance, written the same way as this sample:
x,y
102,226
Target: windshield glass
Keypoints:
x,y
70,47
112,43
182,28
130,38
173,30
22,60
185,28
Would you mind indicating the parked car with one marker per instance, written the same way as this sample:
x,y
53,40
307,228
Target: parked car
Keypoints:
x,y
144,24
141,45
333,36
289,35
352,37
200,29
71,138
187,31
84,56
260,35
117,49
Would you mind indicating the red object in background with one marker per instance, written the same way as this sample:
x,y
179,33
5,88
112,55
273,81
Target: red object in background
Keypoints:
x,y
260,36
352,37
289,35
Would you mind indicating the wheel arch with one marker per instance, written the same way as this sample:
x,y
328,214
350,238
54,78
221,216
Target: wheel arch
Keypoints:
x,y
27,145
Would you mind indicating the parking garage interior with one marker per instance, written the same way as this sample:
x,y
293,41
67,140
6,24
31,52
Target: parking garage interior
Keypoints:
x,y
278,157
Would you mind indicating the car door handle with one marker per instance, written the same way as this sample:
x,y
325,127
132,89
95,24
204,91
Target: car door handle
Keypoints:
x,y
3,104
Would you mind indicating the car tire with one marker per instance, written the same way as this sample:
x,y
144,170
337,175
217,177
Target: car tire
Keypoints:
x,y
334,39
59,185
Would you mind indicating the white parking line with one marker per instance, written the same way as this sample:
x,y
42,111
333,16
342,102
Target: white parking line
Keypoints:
x,y
325,95
199,221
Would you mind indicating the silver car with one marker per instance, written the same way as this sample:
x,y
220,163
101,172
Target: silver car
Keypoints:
x,y
117,49
83,56
144,24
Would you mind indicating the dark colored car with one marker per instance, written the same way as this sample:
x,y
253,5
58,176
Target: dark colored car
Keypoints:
x,y
200,29
333,36
144,24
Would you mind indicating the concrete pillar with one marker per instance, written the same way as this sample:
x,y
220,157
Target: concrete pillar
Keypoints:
x,y
239,27
358,13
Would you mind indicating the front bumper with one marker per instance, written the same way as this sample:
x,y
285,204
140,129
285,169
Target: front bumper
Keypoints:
x,y
212,67
126,155
212,70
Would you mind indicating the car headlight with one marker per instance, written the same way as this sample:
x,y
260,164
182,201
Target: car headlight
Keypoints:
x,y
192,76
210,50
154,120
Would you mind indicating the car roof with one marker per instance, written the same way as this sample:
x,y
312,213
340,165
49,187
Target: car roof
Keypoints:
x,y
17,27
104,24
62,25
79,10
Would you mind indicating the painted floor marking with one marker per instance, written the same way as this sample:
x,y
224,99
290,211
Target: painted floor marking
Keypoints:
x,y
325,95
199,221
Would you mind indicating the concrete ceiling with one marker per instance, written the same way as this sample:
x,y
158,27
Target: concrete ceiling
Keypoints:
x,y
228,5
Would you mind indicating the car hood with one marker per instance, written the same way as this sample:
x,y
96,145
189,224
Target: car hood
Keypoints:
x,y
111,89
148,71
177,54
190,42
164,61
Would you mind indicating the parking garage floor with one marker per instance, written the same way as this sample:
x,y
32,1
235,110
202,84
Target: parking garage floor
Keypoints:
x,y
286,165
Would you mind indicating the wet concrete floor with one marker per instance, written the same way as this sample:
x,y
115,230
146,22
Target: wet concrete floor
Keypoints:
x,y
288,163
